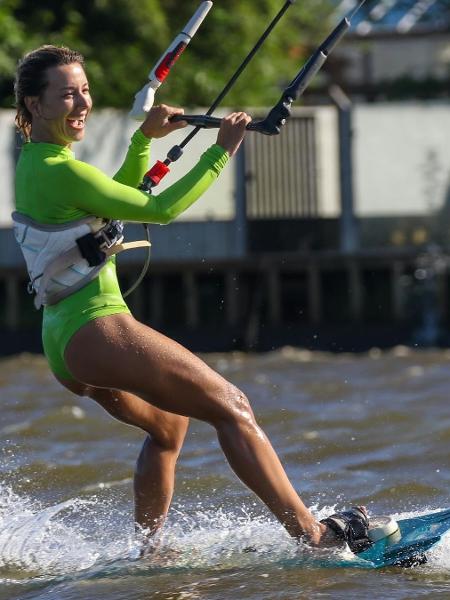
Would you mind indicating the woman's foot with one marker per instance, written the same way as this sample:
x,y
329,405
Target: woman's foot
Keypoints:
x,y
350,526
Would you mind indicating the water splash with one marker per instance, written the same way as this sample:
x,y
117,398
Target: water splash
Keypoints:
x,y
439,557
47,542
90,538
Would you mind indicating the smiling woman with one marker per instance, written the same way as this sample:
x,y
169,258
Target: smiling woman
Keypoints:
x,y
93,344
56,100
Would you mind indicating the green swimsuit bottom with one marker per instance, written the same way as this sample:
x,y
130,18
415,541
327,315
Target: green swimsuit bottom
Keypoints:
x,y
99,298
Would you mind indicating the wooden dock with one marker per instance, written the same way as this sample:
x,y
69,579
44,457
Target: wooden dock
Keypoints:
x,y
240,303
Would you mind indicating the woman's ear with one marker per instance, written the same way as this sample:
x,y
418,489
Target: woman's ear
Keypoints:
x,y
32,104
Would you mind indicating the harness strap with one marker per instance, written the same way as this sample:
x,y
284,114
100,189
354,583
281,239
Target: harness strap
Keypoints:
x,y
127,246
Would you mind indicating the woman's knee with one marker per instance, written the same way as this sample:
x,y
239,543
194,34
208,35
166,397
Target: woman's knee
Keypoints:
x,y
236,408
169,435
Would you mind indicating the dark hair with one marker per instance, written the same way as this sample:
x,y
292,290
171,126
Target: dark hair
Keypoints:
x,y
31,78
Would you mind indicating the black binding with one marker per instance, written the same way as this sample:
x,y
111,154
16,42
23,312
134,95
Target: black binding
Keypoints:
x,y
352,527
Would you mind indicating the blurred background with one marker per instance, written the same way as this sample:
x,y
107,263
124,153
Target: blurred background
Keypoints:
x,y
333,235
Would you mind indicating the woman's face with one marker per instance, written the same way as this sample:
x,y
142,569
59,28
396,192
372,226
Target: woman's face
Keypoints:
x,y
60,113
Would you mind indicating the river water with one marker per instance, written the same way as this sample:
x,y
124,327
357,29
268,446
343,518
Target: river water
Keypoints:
x,y
371,429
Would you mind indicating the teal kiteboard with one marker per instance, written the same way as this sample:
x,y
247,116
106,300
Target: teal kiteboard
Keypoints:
x,y
409,543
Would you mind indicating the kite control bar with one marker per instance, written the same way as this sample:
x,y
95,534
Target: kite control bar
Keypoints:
x,y
273,122
160,169
278,115
143,101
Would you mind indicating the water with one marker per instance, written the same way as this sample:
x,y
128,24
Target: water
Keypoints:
x,y
371,429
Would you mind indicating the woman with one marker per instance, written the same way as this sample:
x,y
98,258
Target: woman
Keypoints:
x,y
93,344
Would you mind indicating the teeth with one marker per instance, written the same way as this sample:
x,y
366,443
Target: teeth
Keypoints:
x,y
77,122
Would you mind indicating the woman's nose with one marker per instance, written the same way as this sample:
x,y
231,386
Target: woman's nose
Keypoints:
x,y
84,101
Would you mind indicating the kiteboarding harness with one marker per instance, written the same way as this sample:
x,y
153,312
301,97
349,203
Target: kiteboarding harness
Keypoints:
x,y
63,258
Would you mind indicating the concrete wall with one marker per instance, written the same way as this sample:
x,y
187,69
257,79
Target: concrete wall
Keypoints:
x,y
402,158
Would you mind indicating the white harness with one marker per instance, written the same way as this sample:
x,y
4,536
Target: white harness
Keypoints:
x,y
61,259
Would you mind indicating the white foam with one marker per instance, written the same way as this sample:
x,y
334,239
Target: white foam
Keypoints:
x,y
51,541
82,537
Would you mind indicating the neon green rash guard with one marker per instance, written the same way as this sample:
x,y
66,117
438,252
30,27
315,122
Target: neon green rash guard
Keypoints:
x,y
52,187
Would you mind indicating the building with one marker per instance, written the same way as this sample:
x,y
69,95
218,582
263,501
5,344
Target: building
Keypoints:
x,y
396,49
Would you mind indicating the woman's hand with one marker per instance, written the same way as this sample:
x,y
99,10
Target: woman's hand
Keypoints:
x,y
232,131
157,124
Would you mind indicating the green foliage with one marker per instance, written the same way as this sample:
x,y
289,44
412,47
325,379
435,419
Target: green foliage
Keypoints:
x,y
122,40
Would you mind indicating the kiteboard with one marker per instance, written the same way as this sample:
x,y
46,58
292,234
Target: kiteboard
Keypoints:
x,y
408,541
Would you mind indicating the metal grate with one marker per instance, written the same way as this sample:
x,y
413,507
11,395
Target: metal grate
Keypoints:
x,y
281,172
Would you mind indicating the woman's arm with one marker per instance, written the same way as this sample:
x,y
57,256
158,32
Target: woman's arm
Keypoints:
x,y
87,188
156,125
136,161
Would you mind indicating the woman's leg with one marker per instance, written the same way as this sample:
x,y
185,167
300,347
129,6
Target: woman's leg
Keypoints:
x,y
130,356
154,475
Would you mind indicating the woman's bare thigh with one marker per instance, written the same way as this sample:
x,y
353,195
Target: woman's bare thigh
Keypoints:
x,y
119,352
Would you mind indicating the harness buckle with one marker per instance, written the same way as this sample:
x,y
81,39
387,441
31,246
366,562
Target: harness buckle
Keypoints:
x,y
109,235
92,246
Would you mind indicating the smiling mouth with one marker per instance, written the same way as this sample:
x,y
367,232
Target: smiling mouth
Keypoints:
x,y
76,123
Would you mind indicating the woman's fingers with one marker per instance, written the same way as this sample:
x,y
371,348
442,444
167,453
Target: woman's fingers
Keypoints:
x,y
230,136
232,131
158,124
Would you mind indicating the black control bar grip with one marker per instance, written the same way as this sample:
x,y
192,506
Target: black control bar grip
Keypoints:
x,y
208,122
